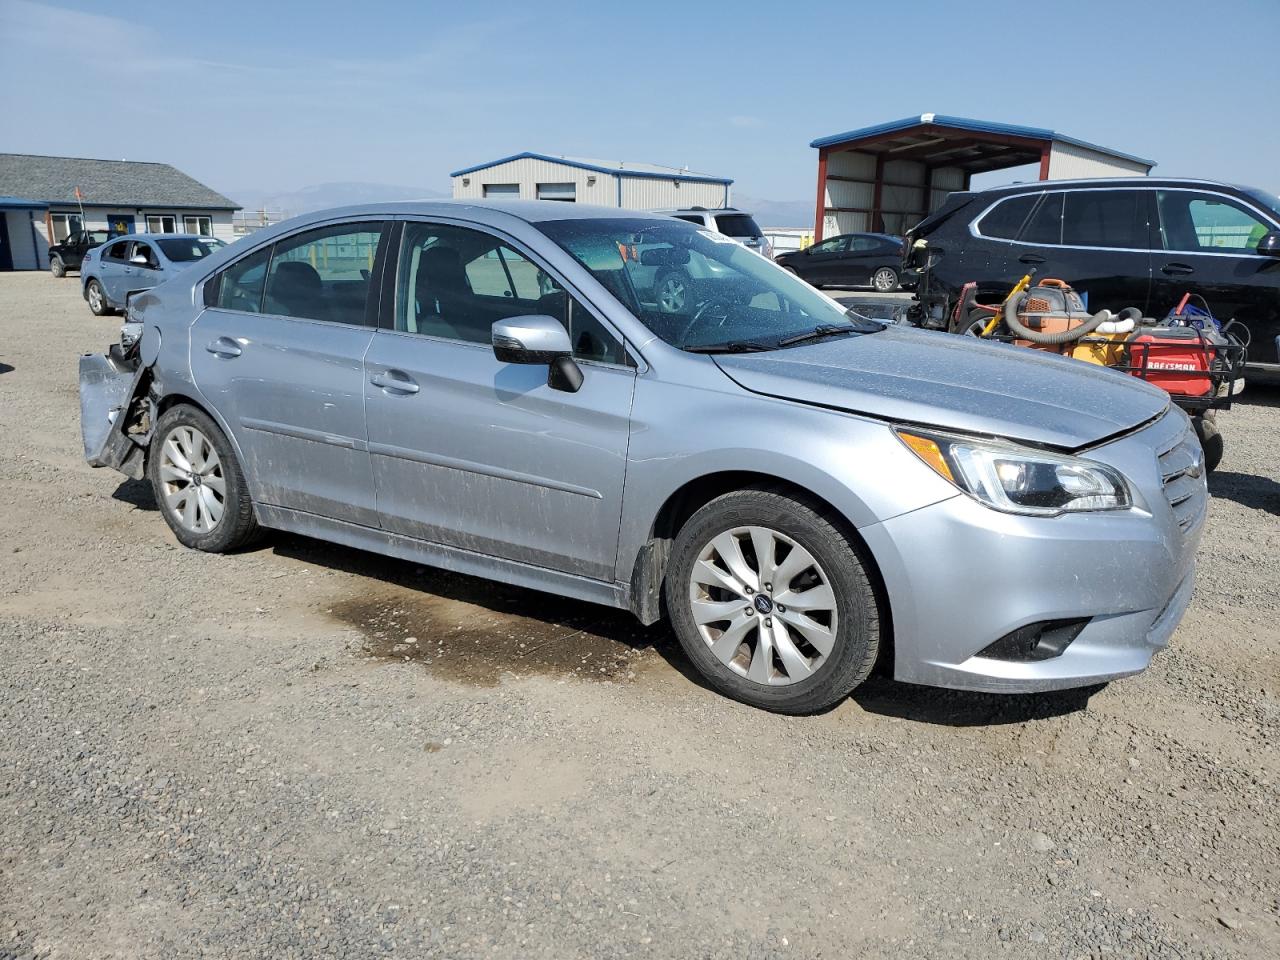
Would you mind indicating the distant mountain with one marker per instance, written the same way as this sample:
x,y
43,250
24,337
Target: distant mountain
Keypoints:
x,y
777,213
324,195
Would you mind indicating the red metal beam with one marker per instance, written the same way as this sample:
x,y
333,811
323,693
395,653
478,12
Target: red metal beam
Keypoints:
x,y
821,213
1044,161
877,192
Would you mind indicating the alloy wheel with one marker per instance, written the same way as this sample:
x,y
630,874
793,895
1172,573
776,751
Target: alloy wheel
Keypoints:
x,y
95,297
191,480
764,605
672,295
884,280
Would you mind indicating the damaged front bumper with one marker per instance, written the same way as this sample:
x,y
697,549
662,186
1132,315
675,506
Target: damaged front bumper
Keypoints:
x,y
112,426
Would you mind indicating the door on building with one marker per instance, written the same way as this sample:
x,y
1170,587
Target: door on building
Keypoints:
x,y
565,192
6,255
502,191
120,223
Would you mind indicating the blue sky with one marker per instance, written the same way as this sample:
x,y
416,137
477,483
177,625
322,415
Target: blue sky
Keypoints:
x,y
280,95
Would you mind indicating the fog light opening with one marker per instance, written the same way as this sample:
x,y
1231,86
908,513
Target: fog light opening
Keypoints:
x,y
1036,641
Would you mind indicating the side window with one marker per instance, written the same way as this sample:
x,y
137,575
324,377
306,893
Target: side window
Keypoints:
x,y
144,250
1005,219
239,286
863,244
1105,218
1207,222
693,218
1045,225
455,283
323,274
118,251
834,245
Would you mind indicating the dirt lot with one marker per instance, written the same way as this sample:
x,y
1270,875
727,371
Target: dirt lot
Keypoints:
x,y
306,751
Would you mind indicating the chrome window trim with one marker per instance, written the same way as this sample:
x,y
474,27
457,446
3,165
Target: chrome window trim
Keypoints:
x,y
1265,217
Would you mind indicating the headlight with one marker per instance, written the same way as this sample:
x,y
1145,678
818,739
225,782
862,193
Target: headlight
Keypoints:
x,y
1018,479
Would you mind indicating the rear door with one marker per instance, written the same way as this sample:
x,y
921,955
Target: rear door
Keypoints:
x,y
279,354
823,262
482,455
116,272
1096,240
1207,244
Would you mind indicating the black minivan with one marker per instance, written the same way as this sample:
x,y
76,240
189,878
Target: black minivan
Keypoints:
x,y
1134,241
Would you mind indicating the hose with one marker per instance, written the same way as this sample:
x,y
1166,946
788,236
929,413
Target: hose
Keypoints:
x,y
1052,339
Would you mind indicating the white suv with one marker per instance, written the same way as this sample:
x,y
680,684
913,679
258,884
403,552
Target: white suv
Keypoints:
x,y
732,223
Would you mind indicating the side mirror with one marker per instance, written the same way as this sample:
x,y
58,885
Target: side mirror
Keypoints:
x,y
538,339
140,259
1269,245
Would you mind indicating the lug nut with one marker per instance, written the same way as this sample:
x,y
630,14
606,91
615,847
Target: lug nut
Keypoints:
x,y
769,587
768,621
749,610
781,608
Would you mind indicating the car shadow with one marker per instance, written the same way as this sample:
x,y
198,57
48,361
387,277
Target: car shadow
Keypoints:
x,y
1257,493
1258,396
959,708
5,368
136,493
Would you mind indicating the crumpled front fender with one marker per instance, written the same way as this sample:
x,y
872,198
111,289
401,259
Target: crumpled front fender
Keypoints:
x,y
107,389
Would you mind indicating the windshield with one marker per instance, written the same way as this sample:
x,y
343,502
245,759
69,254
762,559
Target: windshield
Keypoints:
x,y
695,288
1268,200
184,251
97,236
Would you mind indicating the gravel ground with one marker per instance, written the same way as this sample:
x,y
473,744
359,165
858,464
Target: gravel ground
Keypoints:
x,y
307,751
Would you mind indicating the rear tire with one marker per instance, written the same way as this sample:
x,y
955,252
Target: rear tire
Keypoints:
x,y
57,267
885,280
1211,442
97,298
198,484
796,660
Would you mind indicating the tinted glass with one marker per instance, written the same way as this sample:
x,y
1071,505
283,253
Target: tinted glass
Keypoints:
x,y
1005,219
1105,218
726,293
737,225
692,218
97,236
456,283
1207,222
240,285
144,250
184,251
865,244
834,245
118,250
323,274
1045,225
1269,201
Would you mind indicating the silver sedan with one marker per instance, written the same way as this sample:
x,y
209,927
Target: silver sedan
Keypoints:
x,y
503,389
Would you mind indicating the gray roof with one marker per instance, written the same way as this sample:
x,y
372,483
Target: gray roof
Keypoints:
x,y
114,183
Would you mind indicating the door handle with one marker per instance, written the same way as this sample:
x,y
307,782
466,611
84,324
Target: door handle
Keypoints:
x,y
395,380
1031,258
224,347
1177,269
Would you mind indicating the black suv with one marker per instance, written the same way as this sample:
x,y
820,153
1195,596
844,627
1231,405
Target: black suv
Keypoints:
x,y
68,254
1136,241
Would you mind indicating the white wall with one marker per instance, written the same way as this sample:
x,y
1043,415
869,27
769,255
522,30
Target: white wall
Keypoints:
x,y
1067,161
649,193
95,218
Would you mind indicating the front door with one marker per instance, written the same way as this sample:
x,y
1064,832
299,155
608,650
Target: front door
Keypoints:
x,y
120,224
280,355
822,262
1208,244
483,455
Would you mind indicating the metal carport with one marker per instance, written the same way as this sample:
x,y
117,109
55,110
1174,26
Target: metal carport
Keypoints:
x,y
888,177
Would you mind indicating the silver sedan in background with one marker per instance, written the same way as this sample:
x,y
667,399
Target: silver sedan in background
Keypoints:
x,y
500,389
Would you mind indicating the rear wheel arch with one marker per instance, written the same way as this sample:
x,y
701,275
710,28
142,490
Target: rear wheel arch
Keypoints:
x,y
651,562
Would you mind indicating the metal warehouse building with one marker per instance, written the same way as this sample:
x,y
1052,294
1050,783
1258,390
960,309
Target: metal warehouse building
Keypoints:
x,y
889,177
609,183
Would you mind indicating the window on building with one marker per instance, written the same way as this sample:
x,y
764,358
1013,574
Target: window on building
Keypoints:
x,y
197,224
1105,218
567,192
162,223
64,225
323,274
1207,222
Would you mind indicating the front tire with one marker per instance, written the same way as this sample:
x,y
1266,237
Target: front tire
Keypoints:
x,y
771,602
885,280
57,267
198,483
1211,441
97,298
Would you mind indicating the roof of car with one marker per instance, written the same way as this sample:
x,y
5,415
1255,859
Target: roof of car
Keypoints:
x,y
165,236
531,211
1032,185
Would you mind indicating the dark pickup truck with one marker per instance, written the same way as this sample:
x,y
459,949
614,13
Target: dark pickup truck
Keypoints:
x,y
67,255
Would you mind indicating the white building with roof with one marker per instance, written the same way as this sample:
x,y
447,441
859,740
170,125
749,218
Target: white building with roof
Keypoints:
x,y
609,183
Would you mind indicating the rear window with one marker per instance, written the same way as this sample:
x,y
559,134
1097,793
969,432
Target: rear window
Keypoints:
x,y
184,251
737,225
97,236
1005,219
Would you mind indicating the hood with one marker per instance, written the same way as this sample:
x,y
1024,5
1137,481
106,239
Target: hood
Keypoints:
x,y
954,383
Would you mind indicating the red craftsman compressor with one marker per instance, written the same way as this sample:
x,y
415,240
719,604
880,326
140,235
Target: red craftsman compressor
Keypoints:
x,y
1192,356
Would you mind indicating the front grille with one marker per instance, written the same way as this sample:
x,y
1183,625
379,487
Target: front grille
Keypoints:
x,y
1182,476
